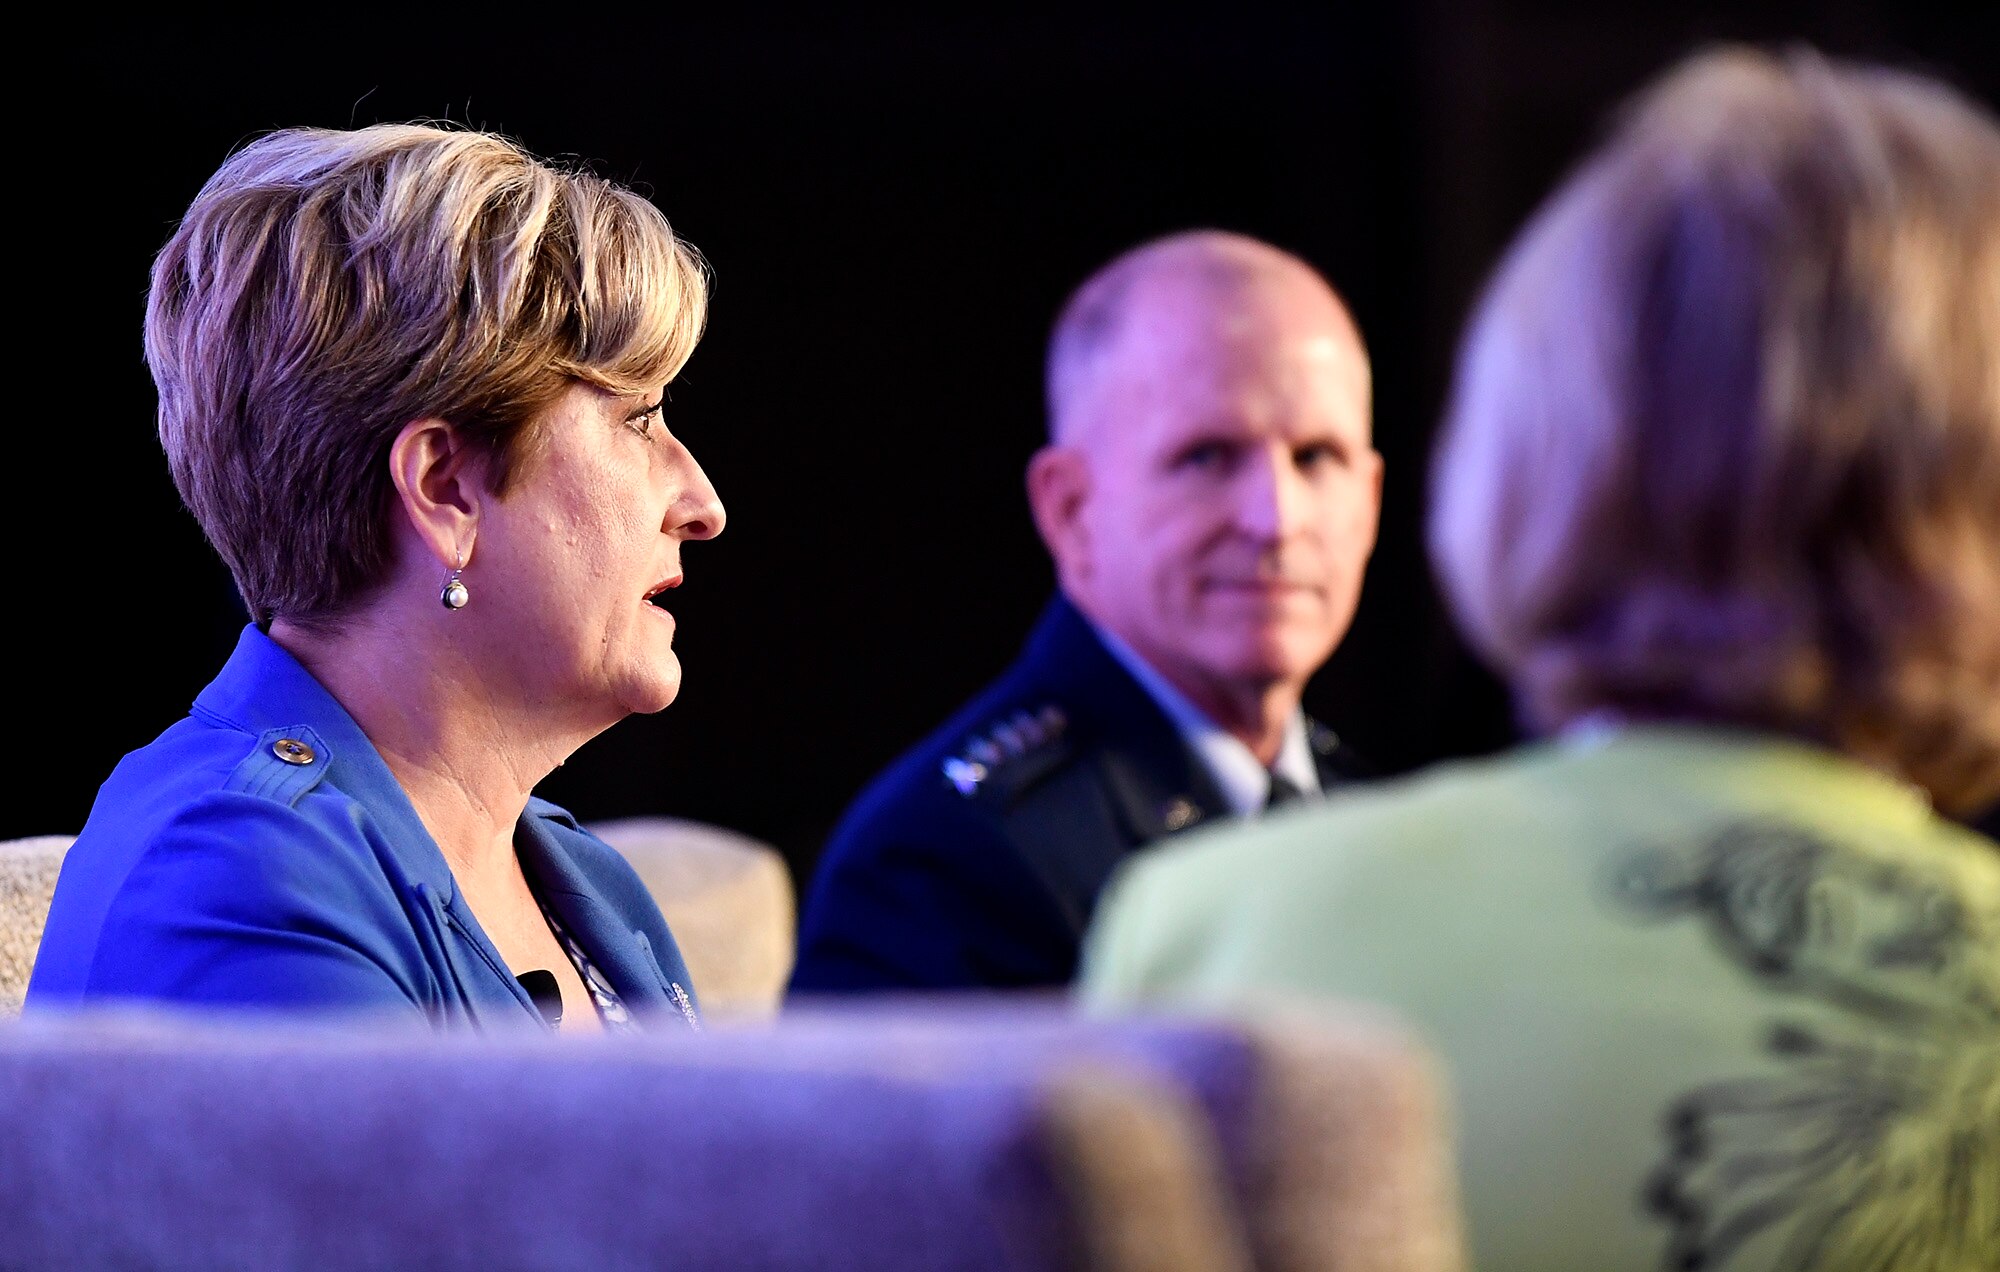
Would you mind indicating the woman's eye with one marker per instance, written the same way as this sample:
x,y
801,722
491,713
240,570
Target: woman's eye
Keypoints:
x,y
642,423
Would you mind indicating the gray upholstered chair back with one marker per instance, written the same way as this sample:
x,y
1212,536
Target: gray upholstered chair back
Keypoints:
x,y
998,1134
730,901
167,1144
28,869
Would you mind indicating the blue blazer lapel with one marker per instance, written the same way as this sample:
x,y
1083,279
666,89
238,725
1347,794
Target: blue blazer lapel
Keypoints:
x,y
605,906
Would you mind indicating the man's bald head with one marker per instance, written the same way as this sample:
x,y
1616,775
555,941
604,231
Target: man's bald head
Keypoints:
x,y
1210,488
1191,276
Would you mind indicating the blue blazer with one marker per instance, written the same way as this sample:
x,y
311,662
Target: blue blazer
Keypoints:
x,y
260,854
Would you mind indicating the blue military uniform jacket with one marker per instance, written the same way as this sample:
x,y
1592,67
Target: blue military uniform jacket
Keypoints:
x,y
260,854
976,858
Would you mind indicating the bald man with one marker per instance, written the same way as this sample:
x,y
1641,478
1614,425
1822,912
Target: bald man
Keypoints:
x,y
1209,494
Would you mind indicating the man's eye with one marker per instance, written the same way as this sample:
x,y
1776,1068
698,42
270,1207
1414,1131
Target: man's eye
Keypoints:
x,y
1204,457
1319,455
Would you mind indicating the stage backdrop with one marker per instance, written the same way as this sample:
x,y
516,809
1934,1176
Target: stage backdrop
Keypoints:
x,y
893,210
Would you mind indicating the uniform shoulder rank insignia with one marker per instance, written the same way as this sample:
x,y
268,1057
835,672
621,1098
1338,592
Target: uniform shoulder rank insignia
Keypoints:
x,y
1001,746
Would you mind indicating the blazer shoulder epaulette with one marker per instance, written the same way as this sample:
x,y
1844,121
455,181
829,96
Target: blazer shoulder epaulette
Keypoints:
x,y
283,764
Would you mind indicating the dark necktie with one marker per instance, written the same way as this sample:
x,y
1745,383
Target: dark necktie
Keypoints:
x,y
1283,791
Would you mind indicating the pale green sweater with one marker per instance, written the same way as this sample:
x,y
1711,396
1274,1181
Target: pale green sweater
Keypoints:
x,y
1698,992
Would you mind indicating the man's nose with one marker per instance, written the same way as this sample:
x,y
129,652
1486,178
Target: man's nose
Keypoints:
x,y
1270,494
697,513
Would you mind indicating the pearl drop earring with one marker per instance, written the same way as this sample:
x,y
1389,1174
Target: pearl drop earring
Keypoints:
x,y
454,596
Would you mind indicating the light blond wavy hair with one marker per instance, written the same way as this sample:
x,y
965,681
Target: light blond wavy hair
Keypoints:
x,y
327,287
1724,438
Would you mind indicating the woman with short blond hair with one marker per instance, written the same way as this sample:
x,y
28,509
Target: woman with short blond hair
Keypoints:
x,y
411,386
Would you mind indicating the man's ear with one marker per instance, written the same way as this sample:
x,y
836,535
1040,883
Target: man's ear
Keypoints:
x,y
1375,498
440,481
1058,488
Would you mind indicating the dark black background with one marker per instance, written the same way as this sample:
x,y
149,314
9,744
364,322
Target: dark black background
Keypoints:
x,y
893,205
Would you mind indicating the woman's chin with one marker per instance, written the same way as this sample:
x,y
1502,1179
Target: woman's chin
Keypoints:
x,y
658,691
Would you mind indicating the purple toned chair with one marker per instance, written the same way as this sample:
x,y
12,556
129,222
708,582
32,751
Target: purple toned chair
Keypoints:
x,y
1001,1134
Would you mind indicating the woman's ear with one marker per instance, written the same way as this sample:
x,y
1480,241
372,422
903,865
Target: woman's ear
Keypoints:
x,y
440,480
1058,487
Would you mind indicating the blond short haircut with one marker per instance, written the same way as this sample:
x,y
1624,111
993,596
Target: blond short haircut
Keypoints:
x,y
327,287
1724,442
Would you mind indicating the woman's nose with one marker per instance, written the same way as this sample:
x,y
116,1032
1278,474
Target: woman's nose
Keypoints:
x,y
698,513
